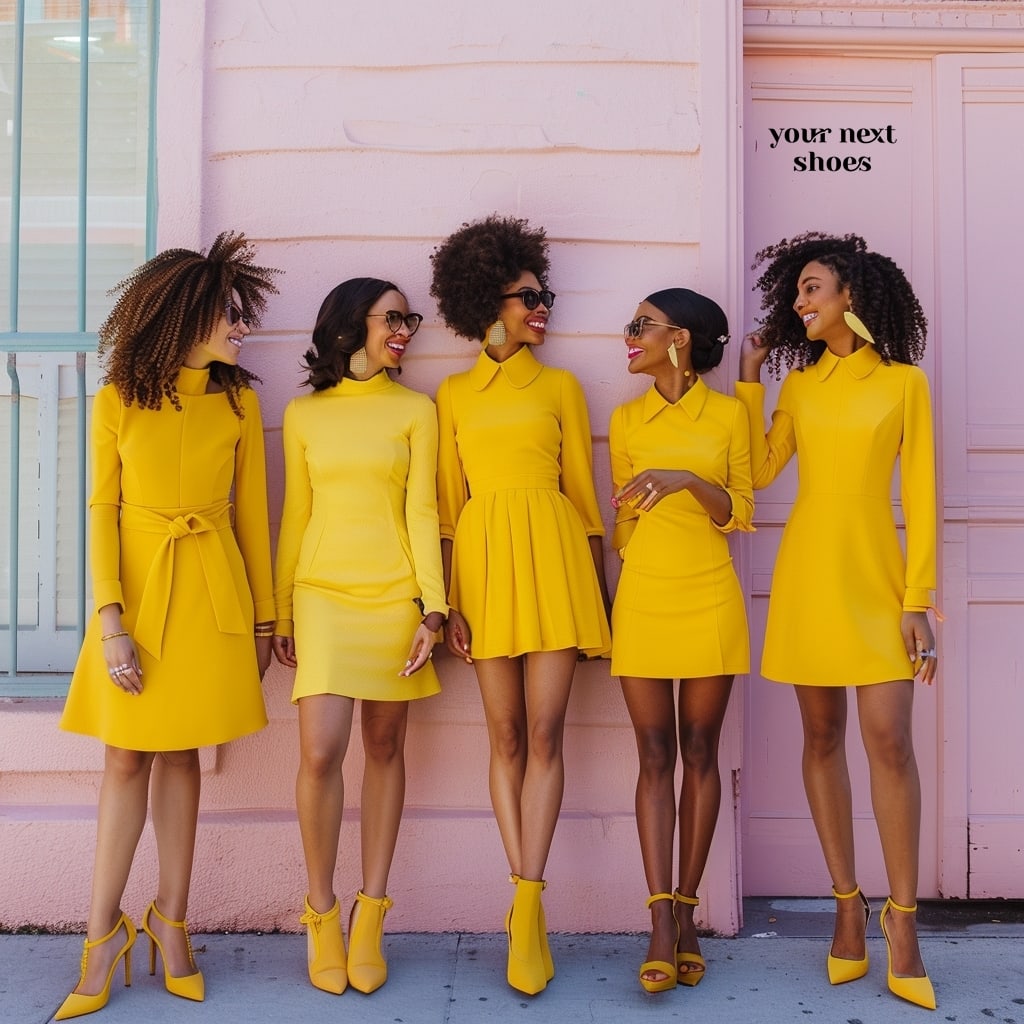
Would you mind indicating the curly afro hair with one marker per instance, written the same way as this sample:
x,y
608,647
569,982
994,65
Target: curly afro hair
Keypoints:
x,y
341,329
170,303
880,295
474,265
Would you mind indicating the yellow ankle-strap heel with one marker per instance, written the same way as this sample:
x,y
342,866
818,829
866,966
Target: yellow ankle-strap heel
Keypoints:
x,y
841,970
918,991
696,967
670,970
188,986
77,1004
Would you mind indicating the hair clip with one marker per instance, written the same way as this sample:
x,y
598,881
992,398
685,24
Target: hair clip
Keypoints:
x,y
723,339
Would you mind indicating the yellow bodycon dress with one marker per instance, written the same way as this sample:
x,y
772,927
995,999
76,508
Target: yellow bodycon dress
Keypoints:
x,y
678,611
841,580
359,557
516,495
190,571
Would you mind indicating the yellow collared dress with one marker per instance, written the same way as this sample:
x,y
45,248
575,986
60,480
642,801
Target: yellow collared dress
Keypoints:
x,y
190,571
841,580
678,611
516,497
359,556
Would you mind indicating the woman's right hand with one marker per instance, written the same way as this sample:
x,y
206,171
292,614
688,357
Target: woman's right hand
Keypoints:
x,y
284,650
753,353
457,637
123,664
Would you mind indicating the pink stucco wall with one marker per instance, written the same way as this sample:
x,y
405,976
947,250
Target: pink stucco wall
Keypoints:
x,y
349,145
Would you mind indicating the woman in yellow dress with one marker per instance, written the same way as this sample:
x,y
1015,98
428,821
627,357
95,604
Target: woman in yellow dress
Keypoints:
x,y
173,657
680,456
847,607
521,543
359,598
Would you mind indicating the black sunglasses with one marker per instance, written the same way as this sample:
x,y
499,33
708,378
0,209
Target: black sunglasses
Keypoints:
x,y
635,328
234,314
395,320
533,298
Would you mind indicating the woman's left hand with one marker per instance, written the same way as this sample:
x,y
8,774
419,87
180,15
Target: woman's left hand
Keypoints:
x,y
920,643
421,651
650,486
264,649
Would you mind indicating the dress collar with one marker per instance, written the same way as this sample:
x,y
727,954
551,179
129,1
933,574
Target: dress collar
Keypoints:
x,y
519,370
859,364
191,381
349,386
692,403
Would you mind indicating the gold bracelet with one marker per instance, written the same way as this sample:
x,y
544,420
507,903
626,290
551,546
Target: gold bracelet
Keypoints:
x,y
113,636
263,633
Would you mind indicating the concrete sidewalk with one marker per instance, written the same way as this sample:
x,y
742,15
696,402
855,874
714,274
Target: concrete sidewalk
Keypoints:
x,y
977,967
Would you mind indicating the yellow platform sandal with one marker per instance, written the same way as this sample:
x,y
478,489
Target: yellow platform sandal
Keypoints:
x,y
693,962
670,970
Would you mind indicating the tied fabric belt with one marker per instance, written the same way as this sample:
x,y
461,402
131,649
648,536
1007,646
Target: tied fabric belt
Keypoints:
x,y
201,524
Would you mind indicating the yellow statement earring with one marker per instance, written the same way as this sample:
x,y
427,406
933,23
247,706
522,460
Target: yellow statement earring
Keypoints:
x,y
496,335
673,356
357,362
858,326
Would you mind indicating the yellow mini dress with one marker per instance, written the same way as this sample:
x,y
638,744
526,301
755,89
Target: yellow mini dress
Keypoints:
x,y
678,610
190,571
841,580
359,557
516,497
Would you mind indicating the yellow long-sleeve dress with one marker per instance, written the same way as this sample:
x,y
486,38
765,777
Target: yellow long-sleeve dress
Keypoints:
x,y
841,580
516,497
359,557
190,570
678,610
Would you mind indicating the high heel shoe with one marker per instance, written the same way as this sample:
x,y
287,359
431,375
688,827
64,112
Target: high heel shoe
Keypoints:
x,y
696,967
367,970
526,969
671,978
77,1004
325,949
840,969
542,933
915,990
188,986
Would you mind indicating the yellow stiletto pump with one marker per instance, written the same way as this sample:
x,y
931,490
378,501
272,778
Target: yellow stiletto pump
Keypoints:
x,y
188,986
841,970
526,969
367,970
918,991
671,978
78,1004
696,967
325,949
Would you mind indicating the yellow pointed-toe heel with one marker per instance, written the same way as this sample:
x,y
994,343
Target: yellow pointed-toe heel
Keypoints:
x,y
918,991
695,965
670,970
188,986
78,1004
367,969
326,959
542,933
527,971
841,970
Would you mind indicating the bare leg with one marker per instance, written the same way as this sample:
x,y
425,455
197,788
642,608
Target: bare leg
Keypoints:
x,y
325,724
548,684
823,710
885,723
504,700
651,706
175,801
120,818
702,707
383,799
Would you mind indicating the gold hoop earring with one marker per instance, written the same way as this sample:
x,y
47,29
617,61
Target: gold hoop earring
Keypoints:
x,y
357,362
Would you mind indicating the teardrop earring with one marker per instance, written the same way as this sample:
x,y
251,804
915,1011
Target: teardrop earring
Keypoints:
x,y
858,326
496,335
673,356
357,362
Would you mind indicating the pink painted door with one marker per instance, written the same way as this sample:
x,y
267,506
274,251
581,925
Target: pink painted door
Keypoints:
x,y
837,145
